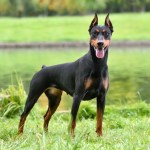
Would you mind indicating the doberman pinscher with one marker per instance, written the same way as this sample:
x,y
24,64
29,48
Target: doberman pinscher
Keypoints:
x,y
84,79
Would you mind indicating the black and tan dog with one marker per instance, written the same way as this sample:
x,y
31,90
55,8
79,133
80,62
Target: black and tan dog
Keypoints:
x,y
84,79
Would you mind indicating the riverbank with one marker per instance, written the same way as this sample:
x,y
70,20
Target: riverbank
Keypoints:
x,y
114,44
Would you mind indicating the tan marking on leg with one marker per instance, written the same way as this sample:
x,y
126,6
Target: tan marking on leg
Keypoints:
x,y
53,91
51,109
99,122
73,128
21,125
47,117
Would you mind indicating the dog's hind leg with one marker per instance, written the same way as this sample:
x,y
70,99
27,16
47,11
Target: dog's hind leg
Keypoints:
x,y
36,89
54,98
31,100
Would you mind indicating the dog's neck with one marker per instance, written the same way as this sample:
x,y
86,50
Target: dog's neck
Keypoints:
x,y
97,60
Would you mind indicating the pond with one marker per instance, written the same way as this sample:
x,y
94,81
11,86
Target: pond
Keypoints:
x,y
129,71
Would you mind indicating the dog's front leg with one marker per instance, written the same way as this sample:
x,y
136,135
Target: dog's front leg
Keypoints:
x,y
101,100
75,106
100,112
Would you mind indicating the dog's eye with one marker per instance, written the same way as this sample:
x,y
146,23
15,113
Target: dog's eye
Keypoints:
x,y
106,34
95,33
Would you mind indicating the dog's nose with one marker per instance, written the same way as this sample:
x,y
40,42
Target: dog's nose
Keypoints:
x,y
100,43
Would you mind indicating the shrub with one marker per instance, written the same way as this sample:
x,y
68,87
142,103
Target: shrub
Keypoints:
x,y
86,111
11,100
134,110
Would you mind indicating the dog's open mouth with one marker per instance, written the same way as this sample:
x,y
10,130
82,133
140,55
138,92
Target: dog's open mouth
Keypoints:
x,y
100,52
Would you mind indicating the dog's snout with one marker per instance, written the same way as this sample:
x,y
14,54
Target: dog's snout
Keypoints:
x,y
100,43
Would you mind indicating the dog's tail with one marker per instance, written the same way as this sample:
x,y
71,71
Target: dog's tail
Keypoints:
x,y
43,66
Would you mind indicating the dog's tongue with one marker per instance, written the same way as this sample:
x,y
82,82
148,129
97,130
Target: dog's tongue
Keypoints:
x,y
100,53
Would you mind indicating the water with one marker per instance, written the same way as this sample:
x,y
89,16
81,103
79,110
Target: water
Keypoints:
x,y
128,72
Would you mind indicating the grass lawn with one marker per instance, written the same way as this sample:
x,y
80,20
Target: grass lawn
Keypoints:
x,y
127,26
124,128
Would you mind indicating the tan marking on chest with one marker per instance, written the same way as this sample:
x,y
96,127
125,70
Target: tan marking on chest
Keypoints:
x,y
97,30
103,30
88,83
105,83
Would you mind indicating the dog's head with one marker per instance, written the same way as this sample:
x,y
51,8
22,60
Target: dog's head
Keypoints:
x,y
100,36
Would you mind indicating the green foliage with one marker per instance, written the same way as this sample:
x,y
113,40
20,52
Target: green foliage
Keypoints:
x,y
20,8
86,111
72,7
131,110
4,7
11,100
64,7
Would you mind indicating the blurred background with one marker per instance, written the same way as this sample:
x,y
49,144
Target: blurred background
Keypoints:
x,y
37,32
19,8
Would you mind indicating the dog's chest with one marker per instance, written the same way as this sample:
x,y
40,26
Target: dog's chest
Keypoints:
x,y
92,86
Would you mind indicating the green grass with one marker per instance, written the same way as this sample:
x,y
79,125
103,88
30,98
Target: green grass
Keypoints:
x,y
128,26
124,127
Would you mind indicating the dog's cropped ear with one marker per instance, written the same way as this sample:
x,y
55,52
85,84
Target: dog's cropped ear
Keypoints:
x,y
94,22
108,23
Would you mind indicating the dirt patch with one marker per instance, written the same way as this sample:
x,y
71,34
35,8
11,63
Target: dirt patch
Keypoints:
x,y
114,44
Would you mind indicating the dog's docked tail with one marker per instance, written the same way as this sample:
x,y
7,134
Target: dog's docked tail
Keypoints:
x,y
43,66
